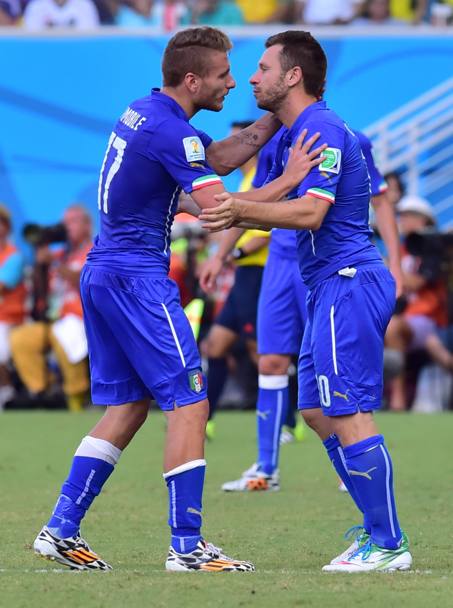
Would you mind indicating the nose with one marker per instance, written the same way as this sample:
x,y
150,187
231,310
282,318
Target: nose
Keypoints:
x,y
254,78
231,83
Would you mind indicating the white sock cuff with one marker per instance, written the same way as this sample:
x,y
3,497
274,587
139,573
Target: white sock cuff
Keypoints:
x,y
273,382
93,447
193,464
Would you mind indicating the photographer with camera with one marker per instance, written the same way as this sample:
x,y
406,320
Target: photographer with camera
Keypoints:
x,y
423,310
12,300
58,310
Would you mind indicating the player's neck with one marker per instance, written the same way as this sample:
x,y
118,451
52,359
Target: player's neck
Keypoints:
x,y
292,107
186,104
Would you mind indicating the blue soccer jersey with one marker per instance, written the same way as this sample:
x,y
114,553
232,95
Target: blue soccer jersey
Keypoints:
x,y
377,182
140,341
342,179
351,294
152,154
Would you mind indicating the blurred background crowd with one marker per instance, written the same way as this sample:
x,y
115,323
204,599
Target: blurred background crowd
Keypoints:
x,y
171,14
43,350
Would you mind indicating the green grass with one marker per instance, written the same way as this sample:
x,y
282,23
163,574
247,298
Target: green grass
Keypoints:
x,y
288,534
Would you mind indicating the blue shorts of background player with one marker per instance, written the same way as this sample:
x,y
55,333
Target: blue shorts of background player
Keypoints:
x,y
140,341
281,307
341,359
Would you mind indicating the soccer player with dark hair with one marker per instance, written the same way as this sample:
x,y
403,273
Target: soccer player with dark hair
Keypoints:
x,y
140,342
351,293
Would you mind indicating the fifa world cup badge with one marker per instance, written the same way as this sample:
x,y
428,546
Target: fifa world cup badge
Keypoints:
x,y
196,381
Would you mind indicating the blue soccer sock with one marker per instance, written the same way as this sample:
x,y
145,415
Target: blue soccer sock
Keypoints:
x,y
93,464
336,456
185,492
370,469
271,410
217,376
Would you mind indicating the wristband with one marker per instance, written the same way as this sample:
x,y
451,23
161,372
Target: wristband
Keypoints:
x,y
238,253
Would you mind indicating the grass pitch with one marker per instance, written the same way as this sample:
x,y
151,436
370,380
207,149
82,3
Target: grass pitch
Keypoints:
x,y
289,534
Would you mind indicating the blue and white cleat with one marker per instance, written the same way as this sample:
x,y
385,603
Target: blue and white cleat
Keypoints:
x,y
369,557
360,538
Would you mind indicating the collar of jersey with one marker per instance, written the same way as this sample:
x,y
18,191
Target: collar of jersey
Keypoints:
x,y
170,102
298,123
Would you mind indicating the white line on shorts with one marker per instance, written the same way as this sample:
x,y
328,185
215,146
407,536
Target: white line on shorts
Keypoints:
x,y
178,346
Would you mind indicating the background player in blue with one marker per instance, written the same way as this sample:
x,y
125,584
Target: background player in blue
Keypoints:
x,y
352,294
140,341
282,317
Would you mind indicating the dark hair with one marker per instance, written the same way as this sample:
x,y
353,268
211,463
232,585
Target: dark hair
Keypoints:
x,y
241,124
185,53
301,49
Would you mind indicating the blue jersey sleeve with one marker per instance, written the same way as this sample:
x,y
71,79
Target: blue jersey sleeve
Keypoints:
x,y
378,184
322,181
180,149
205,139
11,271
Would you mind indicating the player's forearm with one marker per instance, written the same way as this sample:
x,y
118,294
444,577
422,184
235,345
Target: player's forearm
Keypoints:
x,y
228,154
388,229
273,191
298,214
255,244
229,239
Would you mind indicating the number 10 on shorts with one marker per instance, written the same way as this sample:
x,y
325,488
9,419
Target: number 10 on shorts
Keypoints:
x,y
324,390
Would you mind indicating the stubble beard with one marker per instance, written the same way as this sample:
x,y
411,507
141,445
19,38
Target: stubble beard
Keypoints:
x,y
274,98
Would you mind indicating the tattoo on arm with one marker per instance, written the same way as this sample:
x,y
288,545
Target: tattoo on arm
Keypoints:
x,y
249,138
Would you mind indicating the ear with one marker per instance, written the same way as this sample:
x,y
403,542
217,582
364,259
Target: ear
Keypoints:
x,y
294,76
192,82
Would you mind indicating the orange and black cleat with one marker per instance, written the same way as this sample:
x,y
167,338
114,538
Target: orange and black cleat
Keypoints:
x,y
205,558
73,552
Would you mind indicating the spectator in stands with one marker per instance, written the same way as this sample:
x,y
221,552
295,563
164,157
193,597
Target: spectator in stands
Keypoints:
x,y
411,11
12,300
64,332
215,13
10,12
441,13
426,309
377,12
77,14
328,12
266,11
166,14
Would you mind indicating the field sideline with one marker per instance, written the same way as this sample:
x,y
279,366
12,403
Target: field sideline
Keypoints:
x,y
289,534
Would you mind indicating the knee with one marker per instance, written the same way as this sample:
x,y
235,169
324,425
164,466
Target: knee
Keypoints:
x,y
273,365
139,413
320,424
131,416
